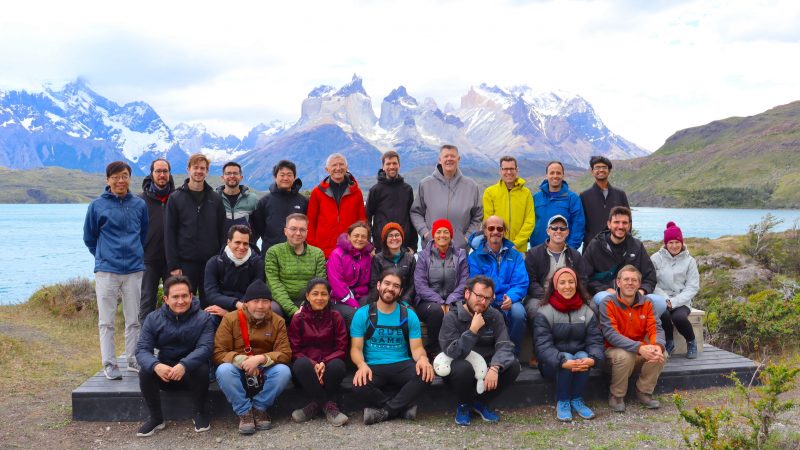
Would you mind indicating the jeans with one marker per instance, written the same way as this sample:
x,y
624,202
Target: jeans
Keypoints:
x,y
462,380
659,302
515,321
108,287
231,381
569,384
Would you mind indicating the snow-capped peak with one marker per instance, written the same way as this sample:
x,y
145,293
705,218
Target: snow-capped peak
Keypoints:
x,y
355,86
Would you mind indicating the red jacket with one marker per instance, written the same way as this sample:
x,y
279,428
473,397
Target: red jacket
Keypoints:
x,y
327,220
318,335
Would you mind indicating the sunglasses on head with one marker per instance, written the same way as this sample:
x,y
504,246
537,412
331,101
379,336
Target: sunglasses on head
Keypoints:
x,y
558,228
492,229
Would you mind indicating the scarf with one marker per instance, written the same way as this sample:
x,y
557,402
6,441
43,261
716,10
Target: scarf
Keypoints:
x,y
565,305
161,194
236,261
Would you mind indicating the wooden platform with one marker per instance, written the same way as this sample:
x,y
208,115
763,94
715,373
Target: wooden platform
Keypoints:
x,y
103,400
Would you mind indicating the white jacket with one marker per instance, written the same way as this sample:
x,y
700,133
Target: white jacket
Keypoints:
x,y
678,277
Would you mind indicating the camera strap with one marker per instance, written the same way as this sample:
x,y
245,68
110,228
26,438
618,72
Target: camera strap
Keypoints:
x,y
245,336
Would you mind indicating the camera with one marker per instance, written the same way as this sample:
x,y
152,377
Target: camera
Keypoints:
x,y
252,382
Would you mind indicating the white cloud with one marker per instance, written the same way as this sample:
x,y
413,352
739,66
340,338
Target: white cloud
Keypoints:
x,y
649,68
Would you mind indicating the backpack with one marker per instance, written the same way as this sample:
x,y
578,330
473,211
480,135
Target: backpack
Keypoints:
x,y
372,321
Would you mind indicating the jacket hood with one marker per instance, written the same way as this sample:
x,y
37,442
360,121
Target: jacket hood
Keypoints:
x,y
298,183
193,309
382,178
438,173
343,243
148,180
544,186
242,188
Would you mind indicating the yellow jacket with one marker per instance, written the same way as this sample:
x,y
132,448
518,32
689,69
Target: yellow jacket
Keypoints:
x,y
515,207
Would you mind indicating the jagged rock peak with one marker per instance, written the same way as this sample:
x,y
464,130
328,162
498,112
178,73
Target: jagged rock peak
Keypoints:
x,y
321,91
353,87
400,95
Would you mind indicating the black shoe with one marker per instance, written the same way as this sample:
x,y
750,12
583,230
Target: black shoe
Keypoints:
x,y
201,422
372,415
150,427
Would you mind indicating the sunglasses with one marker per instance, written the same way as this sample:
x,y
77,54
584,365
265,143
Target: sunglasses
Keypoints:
x,y
492,229
557,228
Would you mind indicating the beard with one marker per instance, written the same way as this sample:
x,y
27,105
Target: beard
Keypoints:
x,y
388,296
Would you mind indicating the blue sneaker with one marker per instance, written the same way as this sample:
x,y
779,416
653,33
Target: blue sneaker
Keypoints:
x,y
463,415
563,411
486,414
583,411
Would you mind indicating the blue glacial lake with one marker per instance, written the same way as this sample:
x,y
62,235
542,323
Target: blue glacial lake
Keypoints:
x,y
43,244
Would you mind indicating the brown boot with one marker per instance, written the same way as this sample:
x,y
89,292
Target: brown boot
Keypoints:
x,y
647,400
617,404
262,418
246,423
333,415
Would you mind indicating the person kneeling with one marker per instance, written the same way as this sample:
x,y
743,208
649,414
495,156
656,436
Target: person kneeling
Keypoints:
x,y
252,349
381,335
469,326
184,335
567,341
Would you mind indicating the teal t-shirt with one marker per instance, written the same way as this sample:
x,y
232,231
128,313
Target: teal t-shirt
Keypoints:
x,y
386,346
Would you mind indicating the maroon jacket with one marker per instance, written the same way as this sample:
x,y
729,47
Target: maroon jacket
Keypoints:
x,y
318,335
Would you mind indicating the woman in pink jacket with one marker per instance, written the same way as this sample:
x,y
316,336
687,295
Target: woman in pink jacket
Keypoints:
x,y
349,270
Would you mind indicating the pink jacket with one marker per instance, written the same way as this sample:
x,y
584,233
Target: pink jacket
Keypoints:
x,y
349,271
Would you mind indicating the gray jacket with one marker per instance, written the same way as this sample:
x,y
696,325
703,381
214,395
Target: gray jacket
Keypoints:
x,y
678,277
457,200
491,342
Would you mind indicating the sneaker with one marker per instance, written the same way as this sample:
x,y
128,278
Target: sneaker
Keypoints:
x,y
112,372
670,346
150,427
373,416
410,413
691,349
305,413
647,400
579,407
246,423
333,415
463,415
201,422
563,411
486,414
262,419
133,366
617,404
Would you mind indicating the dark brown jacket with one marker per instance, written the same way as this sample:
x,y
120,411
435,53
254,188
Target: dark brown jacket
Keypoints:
x,y
267,337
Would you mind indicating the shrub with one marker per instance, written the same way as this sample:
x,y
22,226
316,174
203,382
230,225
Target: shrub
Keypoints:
x,y
75,297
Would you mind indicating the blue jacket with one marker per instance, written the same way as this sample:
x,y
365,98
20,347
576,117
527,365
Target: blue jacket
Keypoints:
x,y
509,274
187,339
547,204
115,231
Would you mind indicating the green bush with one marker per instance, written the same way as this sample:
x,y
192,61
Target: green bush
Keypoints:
x,y
72,298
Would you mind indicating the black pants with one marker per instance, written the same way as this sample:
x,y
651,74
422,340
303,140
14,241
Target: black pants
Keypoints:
x,y
153,273
402,375
196,272
433,315
462,381
306,377
195,381
679,317
347,313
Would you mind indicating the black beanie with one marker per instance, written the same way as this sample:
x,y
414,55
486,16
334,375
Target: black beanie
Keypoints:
x,y
257,290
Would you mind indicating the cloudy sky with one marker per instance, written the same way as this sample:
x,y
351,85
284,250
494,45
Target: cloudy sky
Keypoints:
x,y
648,67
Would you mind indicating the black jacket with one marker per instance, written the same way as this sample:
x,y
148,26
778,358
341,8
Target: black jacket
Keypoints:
x,y
537,263
195,232
225,284
603,263
390,201
596,209
556,333
491,342
269,218
154,242
405,266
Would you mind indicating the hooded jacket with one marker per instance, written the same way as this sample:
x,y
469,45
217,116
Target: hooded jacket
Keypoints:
x,y
629,327
507,270
390,200
287,273
596,208
491,342
457,200
565,202
114,231
267,337
187,338
429,257
678,277
241,211
603,263
349,271
320,336
404,266
156,212
556,333
195,232
537,264
269,218
327,219
225,284
515,206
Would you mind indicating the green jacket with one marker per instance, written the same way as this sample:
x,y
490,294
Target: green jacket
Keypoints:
x,y
288,273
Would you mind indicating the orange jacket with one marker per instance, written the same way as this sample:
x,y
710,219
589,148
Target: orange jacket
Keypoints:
x,y
628,327
327,220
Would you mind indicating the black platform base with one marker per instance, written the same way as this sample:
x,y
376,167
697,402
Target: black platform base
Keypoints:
x,y
103,400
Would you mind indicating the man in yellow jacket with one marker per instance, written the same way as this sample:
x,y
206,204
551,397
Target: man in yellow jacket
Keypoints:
x,y
512,201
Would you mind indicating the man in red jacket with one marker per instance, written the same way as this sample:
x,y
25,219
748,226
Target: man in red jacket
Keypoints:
x,y
335,204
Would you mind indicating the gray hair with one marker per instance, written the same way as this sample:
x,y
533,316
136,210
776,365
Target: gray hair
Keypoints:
x,y
333,156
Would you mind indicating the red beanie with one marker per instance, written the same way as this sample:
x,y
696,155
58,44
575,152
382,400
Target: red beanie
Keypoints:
x,y
673,233
389,227
442,223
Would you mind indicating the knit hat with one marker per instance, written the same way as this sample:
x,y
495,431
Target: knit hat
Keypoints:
x,y
562,271
442,223
558,217
256,291
389,227
673,233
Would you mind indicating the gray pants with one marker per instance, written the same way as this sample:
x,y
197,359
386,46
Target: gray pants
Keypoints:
x,y
108,287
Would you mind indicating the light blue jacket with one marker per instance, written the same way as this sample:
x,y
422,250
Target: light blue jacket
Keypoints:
x,y
565,202
115,231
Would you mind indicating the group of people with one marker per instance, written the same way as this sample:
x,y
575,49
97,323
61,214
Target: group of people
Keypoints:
x,y
339,282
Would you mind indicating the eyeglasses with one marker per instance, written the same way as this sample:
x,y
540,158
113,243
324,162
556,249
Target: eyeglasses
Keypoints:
x,y
119,178
483,298
600,168
492,229
394,236
161,171
557,228
297,229
231,174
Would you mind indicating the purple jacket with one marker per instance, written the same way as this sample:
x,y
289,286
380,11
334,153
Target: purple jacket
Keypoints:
x,y
421,275
320,336
348,271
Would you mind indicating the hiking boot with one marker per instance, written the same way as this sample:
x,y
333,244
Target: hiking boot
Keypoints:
x,y
579,407
111,371
563,411
262,419
691,349
486,414
463,415
246,423
647,400
617,404
372,415
201,422
410,413
150,427
333,415
305,413
670,346
133,366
